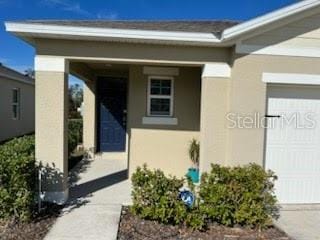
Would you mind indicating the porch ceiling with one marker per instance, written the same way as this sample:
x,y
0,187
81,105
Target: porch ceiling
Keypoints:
x,y
89,70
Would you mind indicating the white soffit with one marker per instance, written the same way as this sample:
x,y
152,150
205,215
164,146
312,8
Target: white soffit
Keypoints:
x,y
291,78
165,71
51,64
220,70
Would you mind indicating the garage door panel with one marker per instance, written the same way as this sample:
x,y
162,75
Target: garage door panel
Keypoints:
x,y
297,189
301,160
293,151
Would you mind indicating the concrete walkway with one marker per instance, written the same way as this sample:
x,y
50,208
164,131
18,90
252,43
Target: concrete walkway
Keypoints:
x,y
100,188
300,222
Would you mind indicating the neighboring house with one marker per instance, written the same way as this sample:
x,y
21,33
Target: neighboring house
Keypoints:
x,y
152,86
17,99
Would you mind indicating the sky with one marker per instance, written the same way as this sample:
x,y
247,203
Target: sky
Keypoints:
x,y
19,55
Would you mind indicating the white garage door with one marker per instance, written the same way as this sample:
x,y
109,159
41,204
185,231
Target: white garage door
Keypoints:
x,y
293,142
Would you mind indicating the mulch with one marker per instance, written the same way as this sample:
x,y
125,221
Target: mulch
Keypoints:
x,y
132,227
35,229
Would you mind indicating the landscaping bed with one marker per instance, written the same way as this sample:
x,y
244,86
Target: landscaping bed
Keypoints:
x,y
36,228
133,227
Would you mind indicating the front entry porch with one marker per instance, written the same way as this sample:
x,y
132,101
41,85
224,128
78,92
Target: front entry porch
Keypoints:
x,y
142,112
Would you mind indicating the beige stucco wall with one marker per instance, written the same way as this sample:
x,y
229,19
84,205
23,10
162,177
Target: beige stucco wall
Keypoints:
x,y
214,106
164,146
248,96
123,51
9,127
51,131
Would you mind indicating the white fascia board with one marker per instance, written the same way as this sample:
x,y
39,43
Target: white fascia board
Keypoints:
x,y
291,78
105,33
268,18
219,70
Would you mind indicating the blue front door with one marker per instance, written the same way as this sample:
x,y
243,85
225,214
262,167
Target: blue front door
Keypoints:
x,y
112,114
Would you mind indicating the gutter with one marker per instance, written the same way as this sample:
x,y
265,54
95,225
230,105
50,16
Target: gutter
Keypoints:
x,y
90,33
15,78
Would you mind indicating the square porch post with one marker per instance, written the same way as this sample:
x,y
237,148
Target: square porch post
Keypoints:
x,y
214,108
52,126
89,117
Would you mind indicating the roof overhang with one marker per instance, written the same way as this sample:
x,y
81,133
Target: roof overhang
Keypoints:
x,y
269,18
31,31
14,78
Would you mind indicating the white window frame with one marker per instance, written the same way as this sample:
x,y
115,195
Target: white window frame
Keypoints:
x,y
17,104
150,96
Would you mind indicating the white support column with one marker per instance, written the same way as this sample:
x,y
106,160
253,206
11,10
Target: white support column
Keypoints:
x,y
214,97
52,126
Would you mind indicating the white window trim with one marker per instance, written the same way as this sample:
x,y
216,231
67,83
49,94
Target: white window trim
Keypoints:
x,y
291,78
16,103
159,121
171,97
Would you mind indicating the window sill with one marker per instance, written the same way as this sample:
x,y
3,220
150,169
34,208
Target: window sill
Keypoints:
x,y
159,121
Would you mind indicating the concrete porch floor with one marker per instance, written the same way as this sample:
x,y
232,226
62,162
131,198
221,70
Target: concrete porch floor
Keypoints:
x,y
99,189
300,222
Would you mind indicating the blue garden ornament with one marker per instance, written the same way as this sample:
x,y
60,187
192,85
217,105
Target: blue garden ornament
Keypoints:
x,y
187,197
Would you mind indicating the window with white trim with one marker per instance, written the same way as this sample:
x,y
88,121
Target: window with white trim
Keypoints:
x,y
160,96
16,103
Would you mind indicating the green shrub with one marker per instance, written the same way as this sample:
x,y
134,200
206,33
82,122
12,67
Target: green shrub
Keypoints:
x,y
17,178
19,172
75,134
240,195
228,196
155,196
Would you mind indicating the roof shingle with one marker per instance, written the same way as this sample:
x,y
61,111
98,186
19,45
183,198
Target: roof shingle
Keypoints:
x,y
203,26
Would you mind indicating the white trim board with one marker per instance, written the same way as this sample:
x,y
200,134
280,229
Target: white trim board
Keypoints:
x,y
291,78
220,70
278,50
51,64
132,60
159,121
